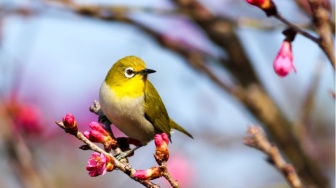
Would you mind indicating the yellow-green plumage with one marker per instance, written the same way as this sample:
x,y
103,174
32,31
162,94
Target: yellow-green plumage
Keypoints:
x,y
132,103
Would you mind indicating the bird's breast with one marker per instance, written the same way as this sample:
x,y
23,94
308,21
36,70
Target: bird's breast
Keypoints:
x,y
126,113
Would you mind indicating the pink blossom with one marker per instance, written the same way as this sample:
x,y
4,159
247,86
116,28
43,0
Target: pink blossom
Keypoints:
x,y
161,140
97,164
97,133
283,63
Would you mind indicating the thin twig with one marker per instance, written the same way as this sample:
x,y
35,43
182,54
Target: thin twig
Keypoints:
x,y
166,174
296,28
258,140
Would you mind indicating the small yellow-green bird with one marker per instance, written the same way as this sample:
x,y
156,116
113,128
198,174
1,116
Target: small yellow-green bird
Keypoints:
x,y
132,103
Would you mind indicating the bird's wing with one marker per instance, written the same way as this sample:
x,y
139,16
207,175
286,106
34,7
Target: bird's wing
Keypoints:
x,y
155,111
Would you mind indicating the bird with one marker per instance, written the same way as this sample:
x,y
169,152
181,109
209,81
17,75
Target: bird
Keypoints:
x,y
131,102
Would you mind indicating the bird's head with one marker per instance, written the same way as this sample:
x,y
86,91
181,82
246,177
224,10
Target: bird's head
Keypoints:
x,y
130,72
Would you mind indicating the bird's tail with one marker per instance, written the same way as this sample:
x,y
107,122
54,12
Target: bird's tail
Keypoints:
x,y
174,125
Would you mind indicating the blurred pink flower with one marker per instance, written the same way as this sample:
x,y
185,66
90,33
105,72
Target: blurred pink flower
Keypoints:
x,y
181,169
283,63
97,164
257,3
26,117
28,120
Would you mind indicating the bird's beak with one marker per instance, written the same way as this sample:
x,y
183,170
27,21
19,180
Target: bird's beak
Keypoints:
x,y
146,71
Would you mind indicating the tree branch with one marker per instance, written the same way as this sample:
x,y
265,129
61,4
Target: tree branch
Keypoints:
x,y
124,167
321,21
296,28
258,140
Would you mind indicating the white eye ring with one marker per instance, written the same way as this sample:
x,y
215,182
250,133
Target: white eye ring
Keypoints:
x,y
129,72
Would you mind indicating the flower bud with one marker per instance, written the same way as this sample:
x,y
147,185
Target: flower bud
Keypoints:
x,y
98,134
98,127
149,174
161,140
267,6
70,123
283,63
161,143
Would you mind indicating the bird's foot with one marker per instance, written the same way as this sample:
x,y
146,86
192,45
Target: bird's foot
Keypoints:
x,y
125,154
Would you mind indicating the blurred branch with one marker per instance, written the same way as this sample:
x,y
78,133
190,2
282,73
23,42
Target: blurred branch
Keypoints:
x,y
332,94
195,56
296,28
252,94
265,25
321,19
304,121
305,7
258,140
19,154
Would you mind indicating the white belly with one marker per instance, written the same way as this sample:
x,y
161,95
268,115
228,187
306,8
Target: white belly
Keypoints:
x,y
127,114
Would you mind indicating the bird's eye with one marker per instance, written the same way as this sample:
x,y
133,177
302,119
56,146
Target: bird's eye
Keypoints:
x,y
129,72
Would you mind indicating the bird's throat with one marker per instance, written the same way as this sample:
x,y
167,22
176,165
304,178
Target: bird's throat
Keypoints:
x,y
131,89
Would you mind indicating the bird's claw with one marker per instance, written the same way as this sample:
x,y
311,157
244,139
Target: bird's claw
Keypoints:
x,y
122,155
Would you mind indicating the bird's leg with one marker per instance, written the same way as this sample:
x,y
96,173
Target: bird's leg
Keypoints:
x,y
124,154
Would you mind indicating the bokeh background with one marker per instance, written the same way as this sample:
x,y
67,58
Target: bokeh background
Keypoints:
x,y
54,56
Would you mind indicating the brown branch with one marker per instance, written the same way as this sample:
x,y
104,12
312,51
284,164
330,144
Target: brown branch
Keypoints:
x,y
125,167
304,121
266,24
296,28
321,19
305,7
322,23
325,40
19,154
165,173
258,140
